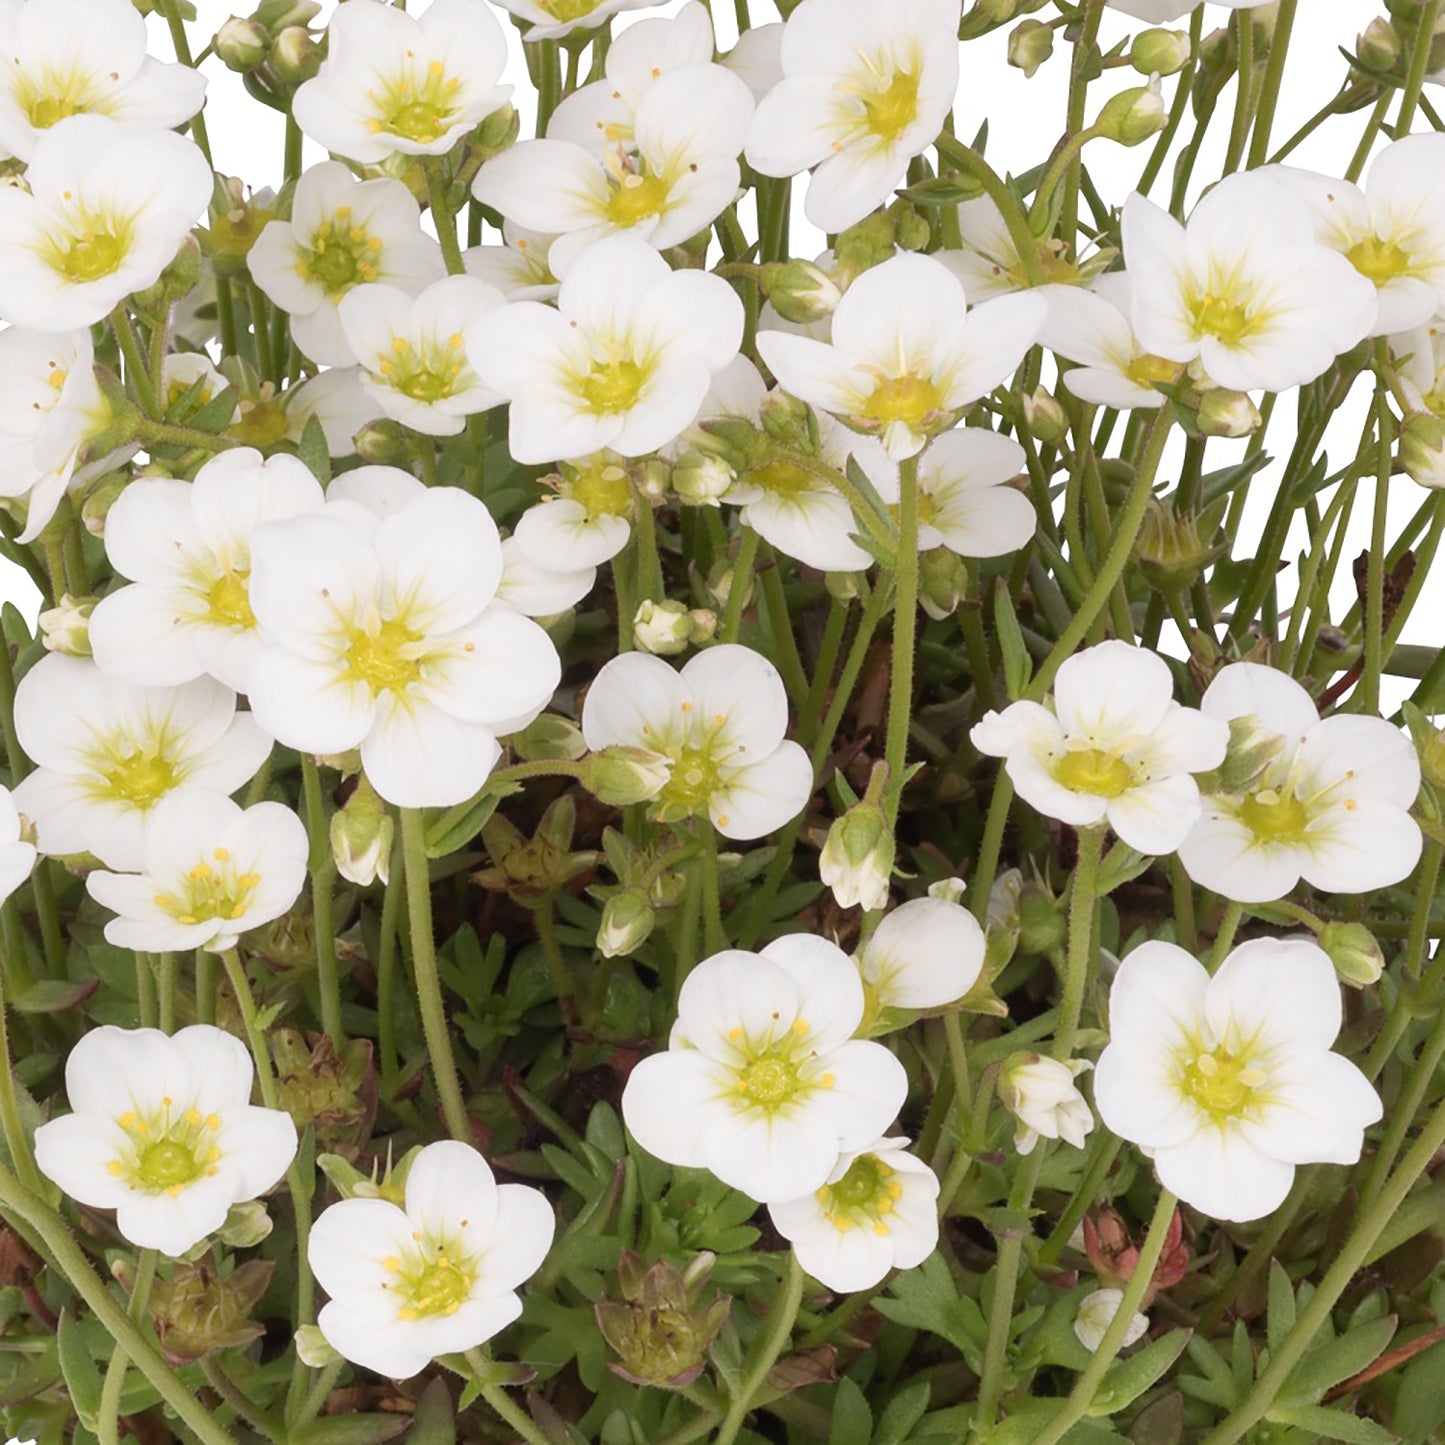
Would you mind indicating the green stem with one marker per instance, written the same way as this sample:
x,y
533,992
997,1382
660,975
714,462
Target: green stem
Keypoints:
x,y
905,629
323,873
1081,1397
17,1143
714,939
171,10
497,1398
1017,224
428,982
1369,694
1224,939
135,366
1244,74
236,1398
108,1414
740,585
766,1349
1269,90
1419,64
1079,71
442,217
1081,938
166,970
391,903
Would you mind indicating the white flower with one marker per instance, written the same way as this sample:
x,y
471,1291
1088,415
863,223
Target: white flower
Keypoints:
x,y
720,723
906,355
534,589
1392,231
1331,807
520,268
762,1081
106,211
1092,329
1158,12
964,501
927,953
186,547
1097,1312
210,873
340,403
436,1277
413,353
677,175
1115,747
865,88
551,19
1243,289
878,1211
17,857
586,523
381,633
163,1132
66,626
51,409
1041,1095
181,370
343,233
757,58
1228,1082
71,57
989,262
106,753
624,361
397,83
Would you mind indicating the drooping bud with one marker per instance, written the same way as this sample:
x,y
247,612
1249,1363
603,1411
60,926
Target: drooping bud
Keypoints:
x,y
246,1225
800,291
1044,417
1041,1095
857,858
1160,52
548,738
622,776
1422,448
1354,951
241,44
295,57
720,579
1133,115
66,626
1224,413
1030,43
942,582
361,837
1097,1312
659,1329
627,922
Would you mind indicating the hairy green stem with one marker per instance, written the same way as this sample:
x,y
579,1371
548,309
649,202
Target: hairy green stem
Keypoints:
x,y
769,1344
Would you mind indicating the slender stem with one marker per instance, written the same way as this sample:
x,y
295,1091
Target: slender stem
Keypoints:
x,y
205,966
1081,938
766,1349
171,10
1419,64
135,366
1273,76
442,217
428,982
1081,1397
391,905
1079,70
323,872
713,937
905,629
166,973
740,586
17,1142
1244,75
985,867
237,1399
108,1414
1024,240
498,1399
1369,694
1224,939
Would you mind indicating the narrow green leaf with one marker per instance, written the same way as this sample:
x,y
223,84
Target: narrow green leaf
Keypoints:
x,y
1018,667
852,1419
1325,1424
82,1377
1127,1379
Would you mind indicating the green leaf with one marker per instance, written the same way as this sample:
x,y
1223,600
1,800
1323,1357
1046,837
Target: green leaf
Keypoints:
x,y
54,995
1122,865
216,415
944,191
82,1378
435,1421
1018,667
902,1413
1127,1379
1325,1424
1339,1359
852,1419
448,831
351,1430
927,1299
1281,1305
312,450
1025,1426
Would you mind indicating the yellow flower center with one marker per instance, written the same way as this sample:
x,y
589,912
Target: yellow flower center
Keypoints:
x,y
431,1282
1092,771
164,1152
1222,1085
634,198
341,255
568,9
612,386
229,600
693,781
1147,369
1380,260
910,399
1223,318
783,478
894,108
92,254
1276,817
416,112
426,374
141,778
212,889
385,657
769,1082
864,1196
602,488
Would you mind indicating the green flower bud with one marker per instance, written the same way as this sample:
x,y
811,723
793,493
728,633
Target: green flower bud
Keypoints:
x,y
1378,46
701,479
1422,448
241,44
1030,44
549,738
246,1225
621,776
497,133
659,1329
1252,752
66,626
857,858
295,57
790,421
860,247
662,628
1354,951
627,921
942,582
1044,417
1134,115
382,443
1160,52
361,837
1224,413
99,500
279,15
314,1349
910,228
800,291
196,1311
1000,12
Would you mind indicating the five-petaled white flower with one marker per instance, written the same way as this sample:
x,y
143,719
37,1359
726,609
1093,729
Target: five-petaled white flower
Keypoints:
x,y
397,83
1115,747
719,724
623,361
186,546
107,753
1330,803
907,355
17,857
964,501
343,233
210,873
106,211
878,1211
1092,329
163,1132
383,634
436,1276
865,88
1228,1082
762,1081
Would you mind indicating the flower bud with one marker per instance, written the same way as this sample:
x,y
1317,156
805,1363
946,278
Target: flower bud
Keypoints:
x,y
246,1225
313,1348
1030,44
911,228
1045,418
869,243
1041,1095
702,479
1354,951
662,628
66,626
361,837
1133,115
942,582
381,442
497,133
99,500
857,859
800,291
1042,925
197,1311
950,890
1422,448
1000,12
241,44
1378,46
1429,743
627,922
1224,413
549,738
1160,52
620,776
659,1329
279,15
1251,753
1097,1312
720,579
790,421
295,57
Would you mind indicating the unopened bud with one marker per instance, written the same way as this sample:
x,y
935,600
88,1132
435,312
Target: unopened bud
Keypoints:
x,y
1354,951
66,626
549,738
1029,45
295,56
911,228
1160,52
1251,753
381,442
662,628
1041,1095
361,837
314,1349
1133,115
627,921
800,291
942,582
998,11
1045,417
99,500
1422,448
790,421
701,479
857,859
496,133
1378,46
621,776
1097,1312
279,15
1224,413
241,44
246,1225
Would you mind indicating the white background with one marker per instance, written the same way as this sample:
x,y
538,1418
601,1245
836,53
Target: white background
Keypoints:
x,y
1025,118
